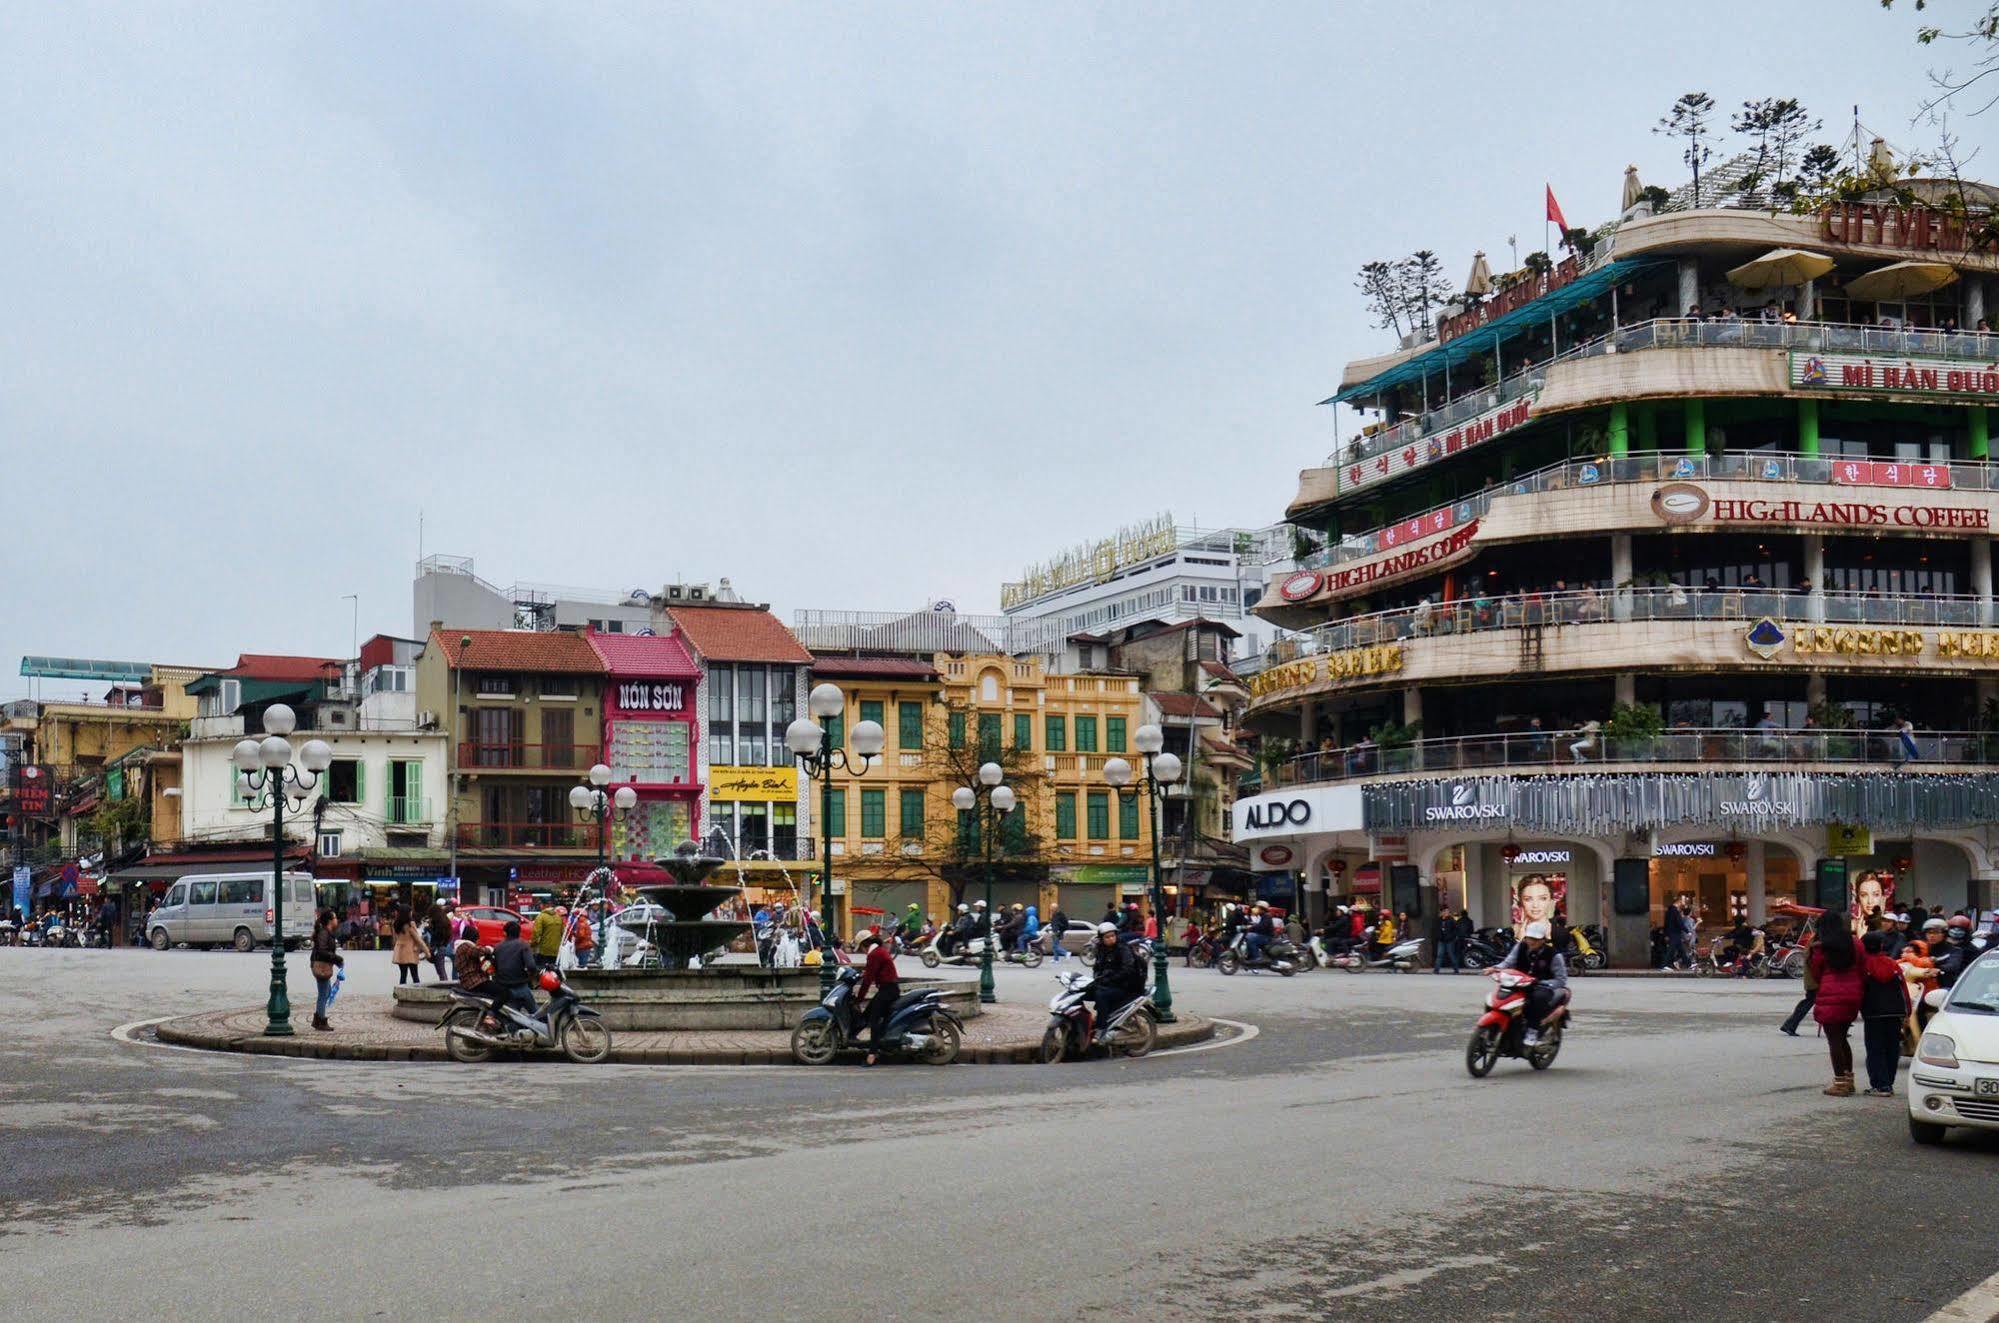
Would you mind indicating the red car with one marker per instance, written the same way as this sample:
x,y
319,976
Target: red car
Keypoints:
x,y
492,921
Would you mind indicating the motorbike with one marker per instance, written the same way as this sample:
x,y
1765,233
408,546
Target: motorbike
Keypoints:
x,y
1132,1029
919,1026
1502,1030
1201,954
970,950
1401,957
1487,947
1590,948
472,1031
1279,956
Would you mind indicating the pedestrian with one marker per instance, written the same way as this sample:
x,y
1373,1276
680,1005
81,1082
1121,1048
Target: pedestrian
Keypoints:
x,y
326,958
1451,937
1836,958
409,948
1588,732
546,937
582,938
1058,924
1884,1009
1907,733
878,973
1805,1003
437,931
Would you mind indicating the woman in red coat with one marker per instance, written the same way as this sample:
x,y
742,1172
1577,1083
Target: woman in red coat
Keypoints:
x,y
1836,964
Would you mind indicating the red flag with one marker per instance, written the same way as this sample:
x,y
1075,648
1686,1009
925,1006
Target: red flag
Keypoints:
x,y
1555,212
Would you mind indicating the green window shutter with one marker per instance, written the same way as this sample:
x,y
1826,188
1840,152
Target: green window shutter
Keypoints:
x,y
1023,732
989,734
1114,734
1100,815
1127,817
1065,816
871,710
836,733
360,781
836,816
957,730
874,814
1086,734
912,815
1057,732
968,829
909,725
1013,831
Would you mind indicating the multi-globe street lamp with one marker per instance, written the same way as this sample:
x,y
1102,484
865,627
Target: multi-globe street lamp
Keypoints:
x,y
591,802
806,739
999,801
1161,769
270,778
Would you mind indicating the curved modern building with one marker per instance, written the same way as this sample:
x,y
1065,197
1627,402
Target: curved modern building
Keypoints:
x,y
1636,597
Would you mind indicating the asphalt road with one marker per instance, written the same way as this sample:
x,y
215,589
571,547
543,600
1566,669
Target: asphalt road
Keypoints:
x,y
1678,1161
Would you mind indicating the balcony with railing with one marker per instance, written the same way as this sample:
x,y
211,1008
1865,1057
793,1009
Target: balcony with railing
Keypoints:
x,y
527,836
480,756
1674,333
407,810
1705,749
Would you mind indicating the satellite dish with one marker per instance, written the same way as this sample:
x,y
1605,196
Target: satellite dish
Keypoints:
x,y
638,595
645,632
944,606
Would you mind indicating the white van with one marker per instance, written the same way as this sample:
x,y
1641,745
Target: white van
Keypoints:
x,y
208,909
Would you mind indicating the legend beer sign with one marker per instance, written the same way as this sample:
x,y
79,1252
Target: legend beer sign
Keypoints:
x,y
1941,378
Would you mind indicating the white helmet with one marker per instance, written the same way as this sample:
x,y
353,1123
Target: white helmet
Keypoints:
x,y
979,904
1539,928
1106,928
964,909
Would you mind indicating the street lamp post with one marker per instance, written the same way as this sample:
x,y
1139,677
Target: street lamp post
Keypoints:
x,y
271,778
806,739
591,801
1161,769
999,801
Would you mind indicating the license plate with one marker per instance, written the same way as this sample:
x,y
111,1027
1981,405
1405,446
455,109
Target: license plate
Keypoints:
x,y
1986,1088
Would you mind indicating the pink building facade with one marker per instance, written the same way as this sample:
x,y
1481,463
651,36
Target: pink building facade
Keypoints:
x,y
651,741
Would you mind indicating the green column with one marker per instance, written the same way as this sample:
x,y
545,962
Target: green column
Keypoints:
x,y
1808,427
1648,427
1696,412
1981,432
1620,429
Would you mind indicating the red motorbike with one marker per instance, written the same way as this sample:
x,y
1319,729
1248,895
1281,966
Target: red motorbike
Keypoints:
x,y
1502,1030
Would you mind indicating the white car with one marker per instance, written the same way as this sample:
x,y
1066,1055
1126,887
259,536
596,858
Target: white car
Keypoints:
x,y
1954,1079
1079,937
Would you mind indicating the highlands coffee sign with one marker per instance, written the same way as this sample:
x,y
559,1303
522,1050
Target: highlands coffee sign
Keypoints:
x,y
1409,559
1683,503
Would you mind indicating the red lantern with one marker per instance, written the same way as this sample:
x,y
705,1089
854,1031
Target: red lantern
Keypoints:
x,y
1337,867
1902,863
1510,852
1737,851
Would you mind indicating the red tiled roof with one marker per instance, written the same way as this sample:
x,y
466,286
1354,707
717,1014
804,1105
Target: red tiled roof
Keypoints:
x,y
1172,704
737,633
1198,622
1221,672
1088,638
275,666
652,657
518,650
874,668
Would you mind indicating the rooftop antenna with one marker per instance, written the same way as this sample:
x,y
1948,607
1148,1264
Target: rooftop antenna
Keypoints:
x,y
1856,138
1513,246
354,639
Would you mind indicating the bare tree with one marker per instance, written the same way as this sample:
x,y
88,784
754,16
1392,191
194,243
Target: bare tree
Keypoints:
x,y
1981,36
1017,851
1688,119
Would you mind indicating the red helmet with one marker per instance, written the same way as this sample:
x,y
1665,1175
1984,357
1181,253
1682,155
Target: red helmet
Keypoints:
x,y
1959,921
550,980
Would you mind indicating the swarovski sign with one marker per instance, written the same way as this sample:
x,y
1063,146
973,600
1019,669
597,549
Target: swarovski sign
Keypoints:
x,y
1464,805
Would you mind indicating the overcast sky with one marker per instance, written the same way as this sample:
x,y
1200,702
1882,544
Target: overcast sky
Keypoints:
x,y
857,305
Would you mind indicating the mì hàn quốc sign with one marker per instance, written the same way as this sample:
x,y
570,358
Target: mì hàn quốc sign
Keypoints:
x,y
1940,377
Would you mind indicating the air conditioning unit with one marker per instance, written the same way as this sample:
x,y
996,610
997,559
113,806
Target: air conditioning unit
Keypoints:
x,y
426,719
673,592
698,593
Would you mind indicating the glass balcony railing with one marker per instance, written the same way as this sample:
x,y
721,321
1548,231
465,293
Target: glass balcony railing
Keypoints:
x,y
1557,751
1663,466
1675,333
1590,606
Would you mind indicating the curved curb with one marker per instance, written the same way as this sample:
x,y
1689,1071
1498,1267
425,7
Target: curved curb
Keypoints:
x,y
210,1032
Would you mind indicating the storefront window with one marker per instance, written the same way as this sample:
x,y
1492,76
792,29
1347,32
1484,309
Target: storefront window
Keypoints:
x,y
722,716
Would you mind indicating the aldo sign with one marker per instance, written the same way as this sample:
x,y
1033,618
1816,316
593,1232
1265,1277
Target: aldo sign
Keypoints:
x,y
1297,812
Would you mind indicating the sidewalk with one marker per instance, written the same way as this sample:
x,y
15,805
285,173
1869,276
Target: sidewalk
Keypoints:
x,y
365,1030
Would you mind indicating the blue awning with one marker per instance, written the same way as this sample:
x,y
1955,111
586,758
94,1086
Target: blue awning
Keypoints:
x,y
1473,344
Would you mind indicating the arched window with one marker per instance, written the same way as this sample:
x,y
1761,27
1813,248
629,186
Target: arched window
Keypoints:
x,y
989,687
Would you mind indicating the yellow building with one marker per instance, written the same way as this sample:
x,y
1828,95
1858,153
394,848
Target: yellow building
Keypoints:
x,y
898,841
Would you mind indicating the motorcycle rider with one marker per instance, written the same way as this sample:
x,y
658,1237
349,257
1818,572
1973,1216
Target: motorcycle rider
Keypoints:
x,y
1011,927
1261,929
1120,976
1535,956
912,923
514,973
982,919
1954,953
961,927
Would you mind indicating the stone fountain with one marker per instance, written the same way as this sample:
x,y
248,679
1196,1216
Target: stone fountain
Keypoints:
x,y
695,987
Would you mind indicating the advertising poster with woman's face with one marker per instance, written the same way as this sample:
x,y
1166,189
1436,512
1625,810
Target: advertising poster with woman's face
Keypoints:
x,y
1872,891
1536,897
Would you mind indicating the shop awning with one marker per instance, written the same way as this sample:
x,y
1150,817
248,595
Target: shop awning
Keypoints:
x,y
173,867
1476,344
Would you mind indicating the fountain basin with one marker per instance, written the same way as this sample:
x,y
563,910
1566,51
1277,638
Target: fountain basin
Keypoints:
x,y
726,996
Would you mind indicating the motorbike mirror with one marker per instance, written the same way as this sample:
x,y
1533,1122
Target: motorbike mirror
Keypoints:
x,y
1934,998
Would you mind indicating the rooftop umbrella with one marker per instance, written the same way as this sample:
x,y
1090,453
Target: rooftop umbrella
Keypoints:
x,y
1780,266
1632,188
1881,161
1479,282
1900,280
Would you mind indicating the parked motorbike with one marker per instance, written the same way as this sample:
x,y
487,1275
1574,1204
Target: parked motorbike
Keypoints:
x,y
1487,947
1502,1030
1201,954
1591,948
970,951
1401,957
472,1031
919,1026
1132,1030
1279,956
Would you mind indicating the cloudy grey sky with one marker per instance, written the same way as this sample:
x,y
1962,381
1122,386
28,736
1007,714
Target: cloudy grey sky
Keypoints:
x,y
856,304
